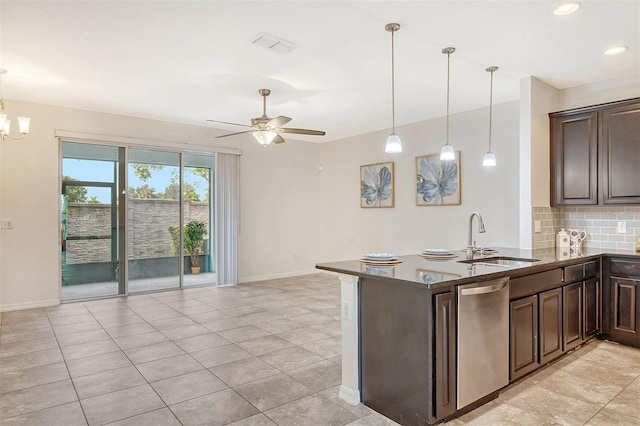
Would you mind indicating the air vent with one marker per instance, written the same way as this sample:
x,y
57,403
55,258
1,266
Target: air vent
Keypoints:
x,y
272,42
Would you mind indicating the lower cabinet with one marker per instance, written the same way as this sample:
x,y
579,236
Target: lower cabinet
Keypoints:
x,y
550,325
445,354
572,309
625,300
592,294
536,331
523,337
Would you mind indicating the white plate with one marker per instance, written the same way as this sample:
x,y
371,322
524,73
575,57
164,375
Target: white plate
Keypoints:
x,y
380,256
437,251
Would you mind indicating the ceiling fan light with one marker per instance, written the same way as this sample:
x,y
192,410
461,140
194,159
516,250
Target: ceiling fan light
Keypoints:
x,y
447,153
394,144
264,137
489,160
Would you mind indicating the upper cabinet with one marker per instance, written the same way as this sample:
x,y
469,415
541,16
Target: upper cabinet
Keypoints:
x,y
595,154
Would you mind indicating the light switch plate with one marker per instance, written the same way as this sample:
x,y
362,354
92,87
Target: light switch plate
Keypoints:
x,y
622,227
7,223
536,226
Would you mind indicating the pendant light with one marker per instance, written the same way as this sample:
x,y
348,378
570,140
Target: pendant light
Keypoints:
x,y
489,159
447,152
394,144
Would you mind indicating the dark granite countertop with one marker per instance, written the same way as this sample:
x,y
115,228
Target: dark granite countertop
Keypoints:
x,y
416,270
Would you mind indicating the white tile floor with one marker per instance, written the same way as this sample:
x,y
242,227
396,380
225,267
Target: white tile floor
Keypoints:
x,y
255,354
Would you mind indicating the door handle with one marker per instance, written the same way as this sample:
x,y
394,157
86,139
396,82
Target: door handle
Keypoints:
x,y
483,290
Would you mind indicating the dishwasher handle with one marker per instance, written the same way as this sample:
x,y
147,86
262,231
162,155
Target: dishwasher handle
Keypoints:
x,y
484,289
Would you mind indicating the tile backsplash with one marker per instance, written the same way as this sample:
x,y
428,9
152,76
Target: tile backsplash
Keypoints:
x,y
600,224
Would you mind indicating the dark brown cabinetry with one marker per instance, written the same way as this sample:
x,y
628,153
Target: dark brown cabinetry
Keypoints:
x,y
624,309
575,159
445,362
553,312
592,294
594,154
572,310
550,325
619,141
523,337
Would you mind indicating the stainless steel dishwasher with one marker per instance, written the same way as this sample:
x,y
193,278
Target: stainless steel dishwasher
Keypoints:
x,y
483,339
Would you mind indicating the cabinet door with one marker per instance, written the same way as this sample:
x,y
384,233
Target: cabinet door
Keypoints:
x,y
620,154
550,325
574,155
591,293
524,336
445,335
572,309
625,299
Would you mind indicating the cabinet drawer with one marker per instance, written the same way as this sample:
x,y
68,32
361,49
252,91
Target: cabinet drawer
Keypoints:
x,y
535,283
573,273
625,267
591,269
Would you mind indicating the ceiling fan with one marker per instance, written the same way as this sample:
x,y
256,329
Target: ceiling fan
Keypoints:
x,y
266,129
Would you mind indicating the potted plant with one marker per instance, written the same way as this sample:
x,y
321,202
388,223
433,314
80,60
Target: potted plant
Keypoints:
x,y
194,233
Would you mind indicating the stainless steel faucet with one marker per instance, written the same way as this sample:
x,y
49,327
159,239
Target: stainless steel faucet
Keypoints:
x,y
470,243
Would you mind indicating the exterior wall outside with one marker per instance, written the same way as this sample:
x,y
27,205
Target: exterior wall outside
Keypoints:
x,y
147,238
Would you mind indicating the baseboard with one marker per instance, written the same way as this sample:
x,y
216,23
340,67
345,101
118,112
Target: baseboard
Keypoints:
x,y
276,276
29,305
349,395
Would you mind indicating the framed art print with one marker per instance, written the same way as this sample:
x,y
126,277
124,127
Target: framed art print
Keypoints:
x,y
438,182
376,185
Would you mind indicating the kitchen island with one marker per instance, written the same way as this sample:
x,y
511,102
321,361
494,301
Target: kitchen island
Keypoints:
x,y
400,324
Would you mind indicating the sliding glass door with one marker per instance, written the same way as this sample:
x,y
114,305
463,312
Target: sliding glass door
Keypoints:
x,y
169,218
153,211
91,235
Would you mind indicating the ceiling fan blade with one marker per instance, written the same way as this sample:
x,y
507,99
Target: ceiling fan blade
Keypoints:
x,y
233,134
278,121
301,131
278,139
226,122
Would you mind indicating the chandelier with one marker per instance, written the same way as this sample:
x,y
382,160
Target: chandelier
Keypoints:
x,y
5,123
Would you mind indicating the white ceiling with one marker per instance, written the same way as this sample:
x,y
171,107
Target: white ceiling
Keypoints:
x,y
188,61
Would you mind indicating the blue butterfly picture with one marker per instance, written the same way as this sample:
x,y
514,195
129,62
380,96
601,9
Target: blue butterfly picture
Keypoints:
x,y
438,182
376,185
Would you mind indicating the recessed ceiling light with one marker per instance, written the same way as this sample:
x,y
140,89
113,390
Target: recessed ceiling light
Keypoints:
x,y
566,9
615,50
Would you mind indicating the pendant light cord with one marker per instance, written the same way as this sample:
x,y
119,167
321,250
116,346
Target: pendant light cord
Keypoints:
x,y
448,72
490,110
393,84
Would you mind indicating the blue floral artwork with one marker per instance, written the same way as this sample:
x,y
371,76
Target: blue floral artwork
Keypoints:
x,y
376,185
438,182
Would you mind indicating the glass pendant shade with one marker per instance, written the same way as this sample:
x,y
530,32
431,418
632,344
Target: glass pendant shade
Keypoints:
x,y
447,153
489,160
3,118
264,137
23,124
6,128
394,144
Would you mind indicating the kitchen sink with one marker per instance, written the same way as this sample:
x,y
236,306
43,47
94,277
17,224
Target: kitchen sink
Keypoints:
x,y
502,261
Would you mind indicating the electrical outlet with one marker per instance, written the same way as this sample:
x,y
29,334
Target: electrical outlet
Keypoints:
x,y
7,223
537,226
622,227
346,310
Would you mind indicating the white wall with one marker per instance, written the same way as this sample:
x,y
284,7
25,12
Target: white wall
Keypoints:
x,y
597,93
349,231
279,185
